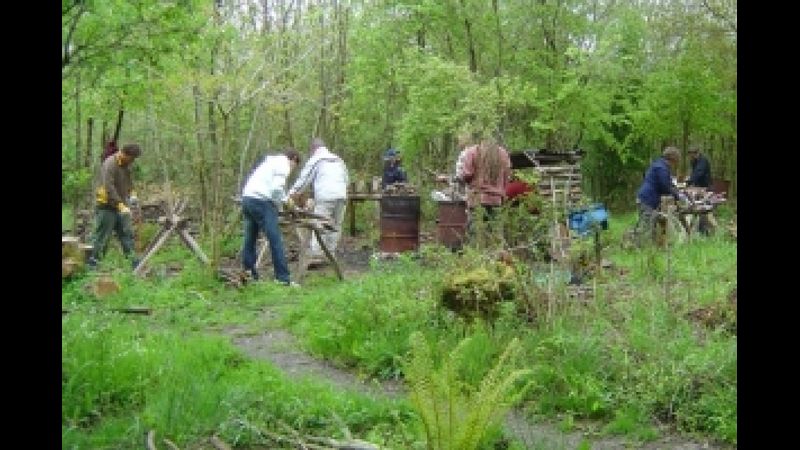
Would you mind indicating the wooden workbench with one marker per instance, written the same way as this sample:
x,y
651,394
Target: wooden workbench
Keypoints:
x,y
352,199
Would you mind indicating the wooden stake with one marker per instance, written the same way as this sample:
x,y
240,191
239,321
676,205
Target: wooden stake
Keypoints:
x,y
318,235
189,240
304,237
151,440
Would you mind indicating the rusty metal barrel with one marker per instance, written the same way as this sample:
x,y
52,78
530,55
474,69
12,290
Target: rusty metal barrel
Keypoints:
x,y
399,223
451,224
720,186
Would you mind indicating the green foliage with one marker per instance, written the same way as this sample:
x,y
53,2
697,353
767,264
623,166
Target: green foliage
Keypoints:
x,y
367,322
454,414
74,184
190,387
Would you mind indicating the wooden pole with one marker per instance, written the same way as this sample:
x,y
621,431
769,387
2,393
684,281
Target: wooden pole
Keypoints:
x,y
154,248
189,241
352,212
318,235
304,237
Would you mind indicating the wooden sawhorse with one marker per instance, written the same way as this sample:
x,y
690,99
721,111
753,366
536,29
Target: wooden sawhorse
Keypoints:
x,y
173,222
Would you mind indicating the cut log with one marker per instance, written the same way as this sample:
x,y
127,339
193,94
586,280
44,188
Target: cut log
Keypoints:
x,y
69,267
104,286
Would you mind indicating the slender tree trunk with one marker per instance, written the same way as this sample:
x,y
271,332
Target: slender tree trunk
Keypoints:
x,y
87,158
77,120
201,168
323,86
103,135
685,143
473,59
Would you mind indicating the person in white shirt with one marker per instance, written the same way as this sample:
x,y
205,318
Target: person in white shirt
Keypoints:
x,y
262,197
327,173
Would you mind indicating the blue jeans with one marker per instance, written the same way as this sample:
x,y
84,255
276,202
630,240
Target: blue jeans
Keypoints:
x,y
105,221
263,215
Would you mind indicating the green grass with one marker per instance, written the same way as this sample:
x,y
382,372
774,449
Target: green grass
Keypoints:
x,y
628,360
67,219
121,379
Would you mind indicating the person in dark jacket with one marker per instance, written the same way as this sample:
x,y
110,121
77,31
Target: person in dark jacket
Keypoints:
x,y
392,171
701,169
657,183
700,177
112,209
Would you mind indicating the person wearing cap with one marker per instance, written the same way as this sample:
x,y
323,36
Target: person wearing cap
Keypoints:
x,y
657,183
392,170
262,197
112,205
327,173
701,169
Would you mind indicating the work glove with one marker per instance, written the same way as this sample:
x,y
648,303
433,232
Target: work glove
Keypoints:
x,y
123,209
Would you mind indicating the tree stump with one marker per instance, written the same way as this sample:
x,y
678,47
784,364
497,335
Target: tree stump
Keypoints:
x,y
104,286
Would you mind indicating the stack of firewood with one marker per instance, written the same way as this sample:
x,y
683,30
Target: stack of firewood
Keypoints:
x,y
73,255
400,189
237,278
563,180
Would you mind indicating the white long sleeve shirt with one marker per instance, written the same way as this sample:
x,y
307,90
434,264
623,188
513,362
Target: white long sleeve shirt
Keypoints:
x,y
328,174
268,181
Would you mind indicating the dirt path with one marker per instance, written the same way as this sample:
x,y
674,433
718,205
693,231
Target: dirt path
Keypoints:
x,y
280,348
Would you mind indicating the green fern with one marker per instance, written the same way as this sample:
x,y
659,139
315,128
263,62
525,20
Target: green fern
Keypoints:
x,y
454,416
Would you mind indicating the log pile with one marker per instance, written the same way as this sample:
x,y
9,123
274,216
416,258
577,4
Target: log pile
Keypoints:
x,y
559,173
74,255
403,189
237,278
562,182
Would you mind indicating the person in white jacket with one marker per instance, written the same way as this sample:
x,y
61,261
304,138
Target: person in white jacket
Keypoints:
x,y
262,197
327,173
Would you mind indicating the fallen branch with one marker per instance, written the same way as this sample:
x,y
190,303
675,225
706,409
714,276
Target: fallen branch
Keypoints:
x,y
170,444
151,440
219,444
131,310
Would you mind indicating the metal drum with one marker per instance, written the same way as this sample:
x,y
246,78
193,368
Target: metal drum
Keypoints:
x,y
719,186
451,224
399,223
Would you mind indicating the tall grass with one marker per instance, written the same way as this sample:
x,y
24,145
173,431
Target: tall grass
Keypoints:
x,y
119,381
630,356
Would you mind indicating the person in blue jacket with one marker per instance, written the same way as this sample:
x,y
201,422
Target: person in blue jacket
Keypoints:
x,y
701,169
392,171
657,183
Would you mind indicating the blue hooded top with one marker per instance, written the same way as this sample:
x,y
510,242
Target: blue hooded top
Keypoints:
x,y
657,182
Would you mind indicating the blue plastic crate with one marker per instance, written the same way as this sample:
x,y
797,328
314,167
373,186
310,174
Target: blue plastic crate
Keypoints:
x,y
583,220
